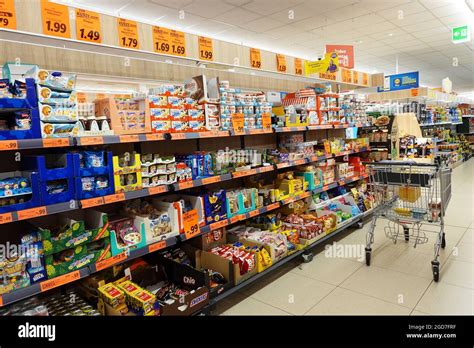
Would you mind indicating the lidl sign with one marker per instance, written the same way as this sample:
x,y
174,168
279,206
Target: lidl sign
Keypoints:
x,y
461,34
401,81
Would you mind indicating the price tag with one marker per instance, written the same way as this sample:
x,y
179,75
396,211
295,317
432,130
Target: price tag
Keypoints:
x,y
265,169
88,26
154,137
114,198
100,96
7,14
365,79
32,213
6,218
157,246
185,185
267,121
211,180
55,19
56,142
273,206
414,92
237,218
283,165
128,33
191,223
238,123
169,41
281,63
255,58
58,281
157,189
219,224
6,145
299,162
178,136
92,202
298,66
244,173
254,213
91,140
205,48
81,97
355,77
99,266
346,75
133,138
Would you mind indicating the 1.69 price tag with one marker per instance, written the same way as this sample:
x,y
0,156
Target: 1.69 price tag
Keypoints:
x,y
191,223
169,41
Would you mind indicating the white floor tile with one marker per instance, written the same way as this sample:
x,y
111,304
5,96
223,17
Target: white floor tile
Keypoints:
x,y
445,299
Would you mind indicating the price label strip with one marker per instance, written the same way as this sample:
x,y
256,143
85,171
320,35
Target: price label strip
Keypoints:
x,y
7,14
206,51
114,198
281,63
58,281
255,58
88,26
55,19
6,145
56,142
32,213
298,66
169,41
157,246
128,33
110,261
191,224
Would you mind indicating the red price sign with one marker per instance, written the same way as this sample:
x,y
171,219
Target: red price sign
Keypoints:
x,y
191,223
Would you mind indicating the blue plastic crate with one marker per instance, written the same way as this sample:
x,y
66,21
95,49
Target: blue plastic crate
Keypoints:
x,y
35,199
54,198
39,164
97,171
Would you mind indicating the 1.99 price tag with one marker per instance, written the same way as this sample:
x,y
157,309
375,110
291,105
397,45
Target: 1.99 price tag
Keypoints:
x,y
205,48
55,19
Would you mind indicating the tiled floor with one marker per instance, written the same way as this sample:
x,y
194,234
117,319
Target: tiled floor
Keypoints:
x,y
398,282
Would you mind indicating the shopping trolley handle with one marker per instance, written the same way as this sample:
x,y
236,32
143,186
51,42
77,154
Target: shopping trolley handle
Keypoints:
x,y
407,163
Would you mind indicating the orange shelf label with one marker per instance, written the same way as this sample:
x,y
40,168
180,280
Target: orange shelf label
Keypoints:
x,y
185,185
281,62
129,138
273,206
58,281
191,223
244,173
238,123
265,169
178,136
8,145
1,301
157,189
55,19
301,161
206,51
92,202
298,66
7,14
114,198
32,213
128,33
6,218
169,41
255,58
211,180
56,142
157,246
235,218
266,122
110,261
154,136
88,26
218,224
254,213
283,165
91,140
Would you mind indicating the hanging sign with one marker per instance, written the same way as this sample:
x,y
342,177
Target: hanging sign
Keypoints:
x,y
7,14
461,34
298,66
255,58
88,26
169,41
206,51
329,64
365,79
346,75
281,63
128,33
401,81
345,54
355,77
55,19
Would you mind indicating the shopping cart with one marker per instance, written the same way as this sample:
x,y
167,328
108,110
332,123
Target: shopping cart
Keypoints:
x,y
410,195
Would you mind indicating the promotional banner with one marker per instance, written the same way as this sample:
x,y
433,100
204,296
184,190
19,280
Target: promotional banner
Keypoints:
x,y
401,81
330,64
345,53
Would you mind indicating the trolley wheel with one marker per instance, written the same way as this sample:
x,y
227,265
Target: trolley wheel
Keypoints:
x,y
359,224
443,242
406,231
307,257
368,253
435,268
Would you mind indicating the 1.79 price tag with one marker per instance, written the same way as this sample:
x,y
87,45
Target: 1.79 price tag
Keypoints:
x,y
7,14
128,33
191,223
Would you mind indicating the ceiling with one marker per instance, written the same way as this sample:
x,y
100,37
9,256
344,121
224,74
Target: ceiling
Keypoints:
x,y
416,33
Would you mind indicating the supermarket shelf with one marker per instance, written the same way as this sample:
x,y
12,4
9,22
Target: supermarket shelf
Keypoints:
x,y
467,116
435,124
290,129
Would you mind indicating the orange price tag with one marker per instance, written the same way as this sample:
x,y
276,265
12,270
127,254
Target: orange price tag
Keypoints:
x,y
133,138
8,145
178,136
365,79
235,218
283,165
56,142
299,162
7,14
32,213
168,41
99,266
211,180
61,280
154,136
6,218
238,123
88,26
273,206
346,75
414,92
157,189
92,202
81,97
355,77
206,51
218,224
157,246
244,173
91,140
55,19
114,198
254,213
191,224
267,121
281,62
255,58
185,185
128,33
298,66
1,301
265,169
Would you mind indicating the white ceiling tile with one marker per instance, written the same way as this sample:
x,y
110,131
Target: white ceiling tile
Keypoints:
x,y
149,12
211,27
262,24
207,8
413,19
407,8
176,4
102,6
237,16
347,12
449,10
441,31
372,29
268,7
431,4
300,12
431,24
237,2
282,31
311,23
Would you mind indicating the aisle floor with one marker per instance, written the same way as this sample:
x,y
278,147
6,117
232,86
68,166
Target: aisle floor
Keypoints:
x,y
398,282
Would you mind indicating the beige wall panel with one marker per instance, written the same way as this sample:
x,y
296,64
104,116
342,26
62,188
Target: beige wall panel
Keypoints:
x,y
28,15
109,30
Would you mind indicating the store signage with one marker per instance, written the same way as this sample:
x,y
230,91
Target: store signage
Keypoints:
x,y
238,123
345,54
169,41
327,76
191,224
329,64
7,14
206,51
255,58
401,81
55,19
88,26
355,77
346,75
461,34
81,97
365,79
298,66
128,33
281,62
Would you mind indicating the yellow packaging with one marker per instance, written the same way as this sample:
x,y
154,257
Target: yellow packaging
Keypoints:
x,y
112,295
409,193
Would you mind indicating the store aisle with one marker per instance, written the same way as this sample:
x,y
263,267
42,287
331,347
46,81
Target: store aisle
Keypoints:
x,y
398,282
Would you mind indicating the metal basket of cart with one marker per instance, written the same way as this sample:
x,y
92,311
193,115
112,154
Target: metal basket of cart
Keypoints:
x,y
410,195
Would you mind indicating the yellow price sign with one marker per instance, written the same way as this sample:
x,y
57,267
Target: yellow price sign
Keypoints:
x,y
7,14
266,121
281,63
169,41
346,75
298,66
238,123
88,26
128,33
255,58
365,79
55,19
355,77
206,51
191,224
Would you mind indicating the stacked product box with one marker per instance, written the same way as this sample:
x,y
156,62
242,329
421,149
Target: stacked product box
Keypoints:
x,y
93,174
158,170
19,190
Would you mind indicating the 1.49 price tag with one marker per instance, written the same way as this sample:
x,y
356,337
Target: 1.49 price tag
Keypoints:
x,y
88,26
191,223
